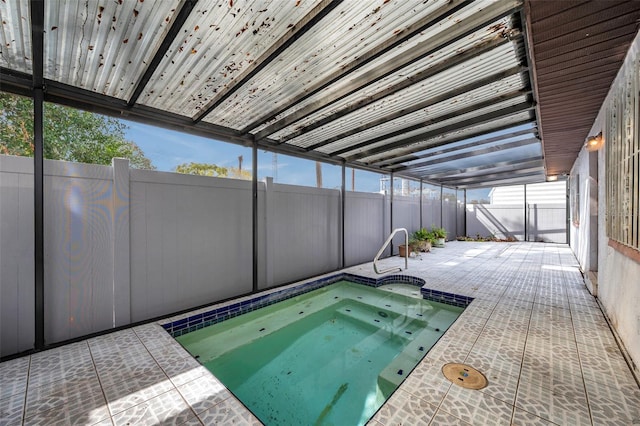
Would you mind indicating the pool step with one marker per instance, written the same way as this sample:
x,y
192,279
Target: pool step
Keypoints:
x,y
382,319
394,373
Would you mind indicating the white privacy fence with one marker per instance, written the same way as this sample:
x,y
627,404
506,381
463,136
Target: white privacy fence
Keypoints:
x,y
123,246
533,222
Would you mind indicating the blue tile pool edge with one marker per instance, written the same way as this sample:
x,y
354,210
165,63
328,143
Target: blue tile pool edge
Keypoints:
x,y
197,321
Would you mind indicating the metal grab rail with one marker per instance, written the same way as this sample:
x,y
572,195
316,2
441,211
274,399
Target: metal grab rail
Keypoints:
x,y
384,246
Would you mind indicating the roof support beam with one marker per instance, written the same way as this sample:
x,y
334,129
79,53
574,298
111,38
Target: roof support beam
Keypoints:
x,y
422,50
432,150
454,114
493,175
502,166
487,150
405,111
307,23
402,85
181,18
484,118
533,177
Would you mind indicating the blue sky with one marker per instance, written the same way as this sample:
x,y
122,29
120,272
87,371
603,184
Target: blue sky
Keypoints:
x,y
168,148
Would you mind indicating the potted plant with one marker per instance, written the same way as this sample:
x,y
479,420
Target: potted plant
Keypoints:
x,y
439,234
422,240
412,247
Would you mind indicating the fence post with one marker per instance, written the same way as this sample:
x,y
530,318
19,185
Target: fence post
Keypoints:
x,y
526,215
120,240
269,231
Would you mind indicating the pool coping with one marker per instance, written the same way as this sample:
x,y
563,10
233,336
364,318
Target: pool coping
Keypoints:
x,y
213,314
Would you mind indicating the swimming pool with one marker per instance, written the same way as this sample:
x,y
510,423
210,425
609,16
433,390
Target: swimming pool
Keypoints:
x,y
329,356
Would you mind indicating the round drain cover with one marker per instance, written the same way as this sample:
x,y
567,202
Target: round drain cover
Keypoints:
x,y
465,376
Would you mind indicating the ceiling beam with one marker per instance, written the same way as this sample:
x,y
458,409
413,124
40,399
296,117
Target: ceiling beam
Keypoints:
x,y
534,177
437,149
310,20
492,175
481,119
176,26
500,166
454,114
422,50
403,112
487,150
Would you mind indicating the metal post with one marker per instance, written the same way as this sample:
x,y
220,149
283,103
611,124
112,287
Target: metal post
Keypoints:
x,y
526,215
441,207
568,211
421,226
254,206
391,209
465,211
37,31
342,217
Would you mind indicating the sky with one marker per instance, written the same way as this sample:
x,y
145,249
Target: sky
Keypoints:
x,y
167,148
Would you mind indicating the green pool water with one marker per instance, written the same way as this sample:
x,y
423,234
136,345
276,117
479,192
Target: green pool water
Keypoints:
x,y
328,357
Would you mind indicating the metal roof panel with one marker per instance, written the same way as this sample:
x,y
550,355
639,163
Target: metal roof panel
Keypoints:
x,y
217,43
15,35
355,27
103,47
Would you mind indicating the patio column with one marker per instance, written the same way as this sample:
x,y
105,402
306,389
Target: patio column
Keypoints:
x,y
343,206
254,208
37,27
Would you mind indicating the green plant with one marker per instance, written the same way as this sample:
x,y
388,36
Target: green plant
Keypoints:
x,y
421,240
413,243
420,235
438,232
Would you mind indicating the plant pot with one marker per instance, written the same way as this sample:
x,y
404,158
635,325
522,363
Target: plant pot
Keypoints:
x,y
439,242
424,246
402,250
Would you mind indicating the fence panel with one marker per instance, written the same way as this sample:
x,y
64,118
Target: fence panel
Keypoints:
x,y
366,226
547,223
191,241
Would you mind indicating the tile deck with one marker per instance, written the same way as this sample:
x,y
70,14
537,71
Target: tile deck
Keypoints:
x,y
533,329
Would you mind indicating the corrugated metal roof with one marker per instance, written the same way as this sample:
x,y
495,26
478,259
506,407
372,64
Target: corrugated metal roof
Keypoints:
x,y
15,52
219,42
417,88
354,27
405,99
432,125
103,46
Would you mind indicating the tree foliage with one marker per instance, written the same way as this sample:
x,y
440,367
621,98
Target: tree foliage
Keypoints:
x,y
69,134
213,170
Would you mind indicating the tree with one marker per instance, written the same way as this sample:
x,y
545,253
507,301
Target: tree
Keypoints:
x,y
202,169
213,170
69,134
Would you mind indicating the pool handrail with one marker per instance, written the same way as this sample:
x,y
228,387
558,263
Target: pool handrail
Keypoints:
x,y
384,246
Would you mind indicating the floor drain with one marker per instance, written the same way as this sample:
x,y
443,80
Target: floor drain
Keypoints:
x,y
465,376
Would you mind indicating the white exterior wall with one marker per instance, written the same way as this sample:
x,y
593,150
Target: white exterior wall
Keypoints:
x,y
618,275
580,227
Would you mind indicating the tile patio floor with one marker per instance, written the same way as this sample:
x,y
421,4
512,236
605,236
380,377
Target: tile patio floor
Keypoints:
x,y
533,329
